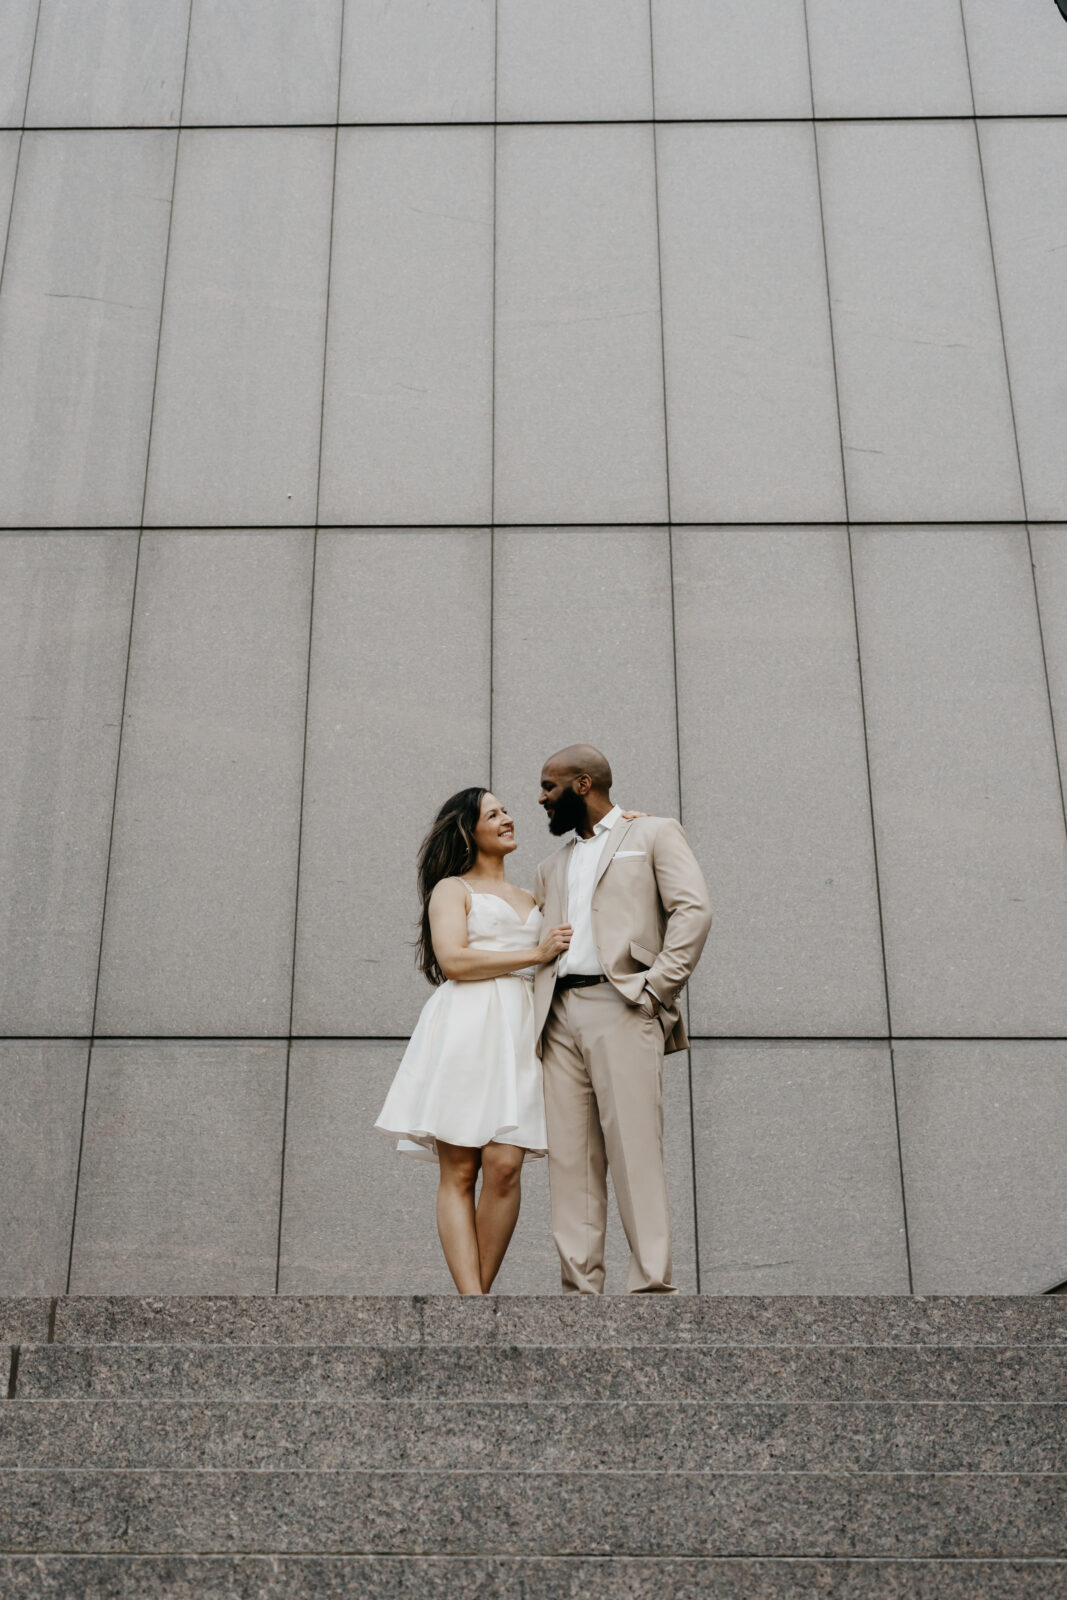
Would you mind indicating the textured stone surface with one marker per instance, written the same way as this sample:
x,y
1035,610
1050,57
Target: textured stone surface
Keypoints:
x,y
108,62
575,1320
579,424
515,1578
356,1212
904,60
775,797
23,1317
583,650
407,424
79,324
513,1372
198,935
798,1178
925,411
9,157
1018,55
1025,166
577,60
252,61
238,404
369,796
967,807
751,404
1049,547
18,21
42,1090
601,1436
984,1169
730,58
65,604
179,1186
536,1513
418,61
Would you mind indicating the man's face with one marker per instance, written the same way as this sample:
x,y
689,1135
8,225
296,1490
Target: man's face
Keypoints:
x,y
564,806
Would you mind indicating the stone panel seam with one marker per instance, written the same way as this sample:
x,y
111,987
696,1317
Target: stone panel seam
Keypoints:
x,y
307,676
296,909
78,1168
26,526
540,122
166,264
492,404
107,878
400,1038
859,668
11,208
33,55
1015,429
18,154
694,1203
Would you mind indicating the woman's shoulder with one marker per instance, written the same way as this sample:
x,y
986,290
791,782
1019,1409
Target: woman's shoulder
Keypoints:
x,y
449,889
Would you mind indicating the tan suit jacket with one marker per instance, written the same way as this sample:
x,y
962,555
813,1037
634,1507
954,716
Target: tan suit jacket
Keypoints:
x,y
650,915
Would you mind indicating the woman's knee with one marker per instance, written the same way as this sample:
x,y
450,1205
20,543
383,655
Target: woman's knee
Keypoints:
x,y
501,1168
459,1169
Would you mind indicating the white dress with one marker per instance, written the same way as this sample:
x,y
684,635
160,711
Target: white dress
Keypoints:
x,y
470,1074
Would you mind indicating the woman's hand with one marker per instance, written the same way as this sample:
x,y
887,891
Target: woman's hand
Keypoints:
x,y
628,816
555,941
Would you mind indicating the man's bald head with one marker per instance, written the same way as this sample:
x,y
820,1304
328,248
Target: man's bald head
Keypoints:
x,y
575,785
582,760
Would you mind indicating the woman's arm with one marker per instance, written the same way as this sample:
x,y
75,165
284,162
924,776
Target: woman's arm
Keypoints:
x,y
448,931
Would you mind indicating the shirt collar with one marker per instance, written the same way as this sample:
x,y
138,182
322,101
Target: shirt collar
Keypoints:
x,y
605,824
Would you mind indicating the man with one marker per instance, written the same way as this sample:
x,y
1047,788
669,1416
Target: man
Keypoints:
x,y
604,1012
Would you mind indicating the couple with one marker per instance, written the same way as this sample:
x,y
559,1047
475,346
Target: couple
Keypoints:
x,y
575,987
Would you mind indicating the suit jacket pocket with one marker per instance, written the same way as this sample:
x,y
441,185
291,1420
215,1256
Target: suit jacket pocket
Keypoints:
x,y
643,957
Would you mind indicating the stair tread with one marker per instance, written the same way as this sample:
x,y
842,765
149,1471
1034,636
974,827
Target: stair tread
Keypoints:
x,y
813,1514
515,1578
566,1319
545,1372
537,1435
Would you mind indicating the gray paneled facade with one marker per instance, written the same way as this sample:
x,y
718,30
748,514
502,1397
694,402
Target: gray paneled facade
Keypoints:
x,y
108,63
198,930
392,394
408,397
238,395
65,603
369,795
79,325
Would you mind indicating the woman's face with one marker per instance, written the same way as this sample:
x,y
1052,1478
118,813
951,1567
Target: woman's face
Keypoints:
x,y
495,833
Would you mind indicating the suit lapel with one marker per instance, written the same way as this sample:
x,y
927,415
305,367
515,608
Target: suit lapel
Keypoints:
x,y
615,838
563,887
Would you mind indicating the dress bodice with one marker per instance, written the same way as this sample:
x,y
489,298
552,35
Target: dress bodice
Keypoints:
x,y
492,924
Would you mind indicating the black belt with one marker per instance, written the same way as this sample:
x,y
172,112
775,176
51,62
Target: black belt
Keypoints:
x,y
579,980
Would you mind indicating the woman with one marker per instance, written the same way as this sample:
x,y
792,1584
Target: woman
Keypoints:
x,y
468,1090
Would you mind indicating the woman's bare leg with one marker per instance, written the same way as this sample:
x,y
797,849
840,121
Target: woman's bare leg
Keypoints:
x,y
498,1206
455,1214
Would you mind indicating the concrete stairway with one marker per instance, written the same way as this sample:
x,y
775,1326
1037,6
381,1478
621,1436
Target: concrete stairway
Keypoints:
x,y
535,1448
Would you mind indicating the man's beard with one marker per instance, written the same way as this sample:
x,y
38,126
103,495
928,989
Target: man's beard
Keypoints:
x,y
571,812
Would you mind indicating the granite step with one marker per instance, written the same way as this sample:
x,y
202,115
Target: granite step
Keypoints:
x,y
532,1436
547,1373
966,1515
556,1447
73,1577
565,1320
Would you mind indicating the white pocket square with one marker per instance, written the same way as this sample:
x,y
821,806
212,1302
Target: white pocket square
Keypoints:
x,y
620,853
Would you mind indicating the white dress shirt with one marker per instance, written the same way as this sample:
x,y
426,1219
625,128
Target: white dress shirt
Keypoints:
x,y
581,957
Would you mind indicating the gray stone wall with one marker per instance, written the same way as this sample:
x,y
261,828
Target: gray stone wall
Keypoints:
x,y
392,394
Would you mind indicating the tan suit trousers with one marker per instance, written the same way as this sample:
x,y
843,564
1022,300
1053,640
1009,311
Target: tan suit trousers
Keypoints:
x,y
603,1074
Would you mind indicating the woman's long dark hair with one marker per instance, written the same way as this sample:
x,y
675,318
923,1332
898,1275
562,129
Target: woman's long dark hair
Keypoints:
x,y
448,851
